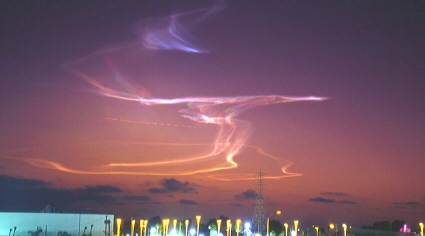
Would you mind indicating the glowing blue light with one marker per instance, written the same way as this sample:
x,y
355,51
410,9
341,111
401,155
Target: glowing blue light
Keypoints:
x,y
247,225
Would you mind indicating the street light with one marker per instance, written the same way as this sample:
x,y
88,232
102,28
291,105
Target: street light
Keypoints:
x,y
317,230
344,226
133,222
238,226
421,225
186,222
218,226
229,228
165,223
119,226
331,227
296,226
146,227
175,225
142,224
153,231
286,229
198,221
268,221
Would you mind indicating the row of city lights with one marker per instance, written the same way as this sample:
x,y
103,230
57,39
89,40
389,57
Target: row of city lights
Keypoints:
x,y
192,232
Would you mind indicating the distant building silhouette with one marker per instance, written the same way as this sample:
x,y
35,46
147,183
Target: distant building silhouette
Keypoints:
x,y
50,208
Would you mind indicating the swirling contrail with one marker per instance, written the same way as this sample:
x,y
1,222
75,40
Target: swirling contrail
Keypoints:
x,y
168,33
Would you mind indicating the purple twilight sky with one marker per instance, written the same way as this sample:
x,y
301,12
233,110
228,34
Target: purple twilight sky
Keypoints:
x,y
169,108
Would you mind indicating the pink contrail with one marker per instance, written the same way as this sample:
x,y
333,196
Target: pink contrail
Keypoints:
x,y
169,33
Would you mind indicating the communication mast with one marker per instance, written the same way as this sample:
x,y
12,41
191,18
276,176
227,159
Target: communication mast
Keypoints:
x,y
259,218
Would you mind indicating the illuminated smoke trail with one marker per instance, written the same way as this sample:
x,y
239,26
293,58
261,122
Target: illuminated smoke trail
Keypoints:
x,y
149,123
21,154
169,34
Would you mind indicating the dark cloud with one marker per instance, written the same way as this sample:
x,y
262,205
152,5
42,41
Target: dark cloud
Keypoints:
x,y
413,203
347,202
91,193
90,190
408,204
249,194
323,200
157,190
32,195
10,182
330,200
173,185
335,194
236,205
187,202
136,198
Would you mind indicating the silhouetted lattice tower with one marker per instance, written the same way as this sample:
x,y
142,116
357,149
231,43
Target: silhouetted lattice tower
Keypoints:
x,y
259,218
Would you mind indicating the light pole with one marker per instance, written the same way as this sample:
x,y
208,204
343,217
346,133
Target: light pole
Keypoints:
x,y
317,230
218,226
268,221
175,225
296,226
331,227
229,228
421,225
198,221
186,222
286,228
238,225
146,227
118,226
141,227
165,223
133,222
344,226
163,227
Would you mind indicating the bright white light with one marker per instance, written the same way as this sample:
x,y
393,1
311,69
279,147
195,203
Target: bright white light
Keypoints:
x,y
192,232
247,225
293,233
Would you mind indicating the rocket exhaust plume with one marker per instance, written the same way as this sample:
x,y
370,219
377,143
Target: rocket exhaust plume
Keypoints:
x,y
173,33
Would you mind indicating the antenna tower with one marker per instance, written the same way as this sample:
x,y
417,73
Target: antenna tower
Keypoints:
x,y
259,218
